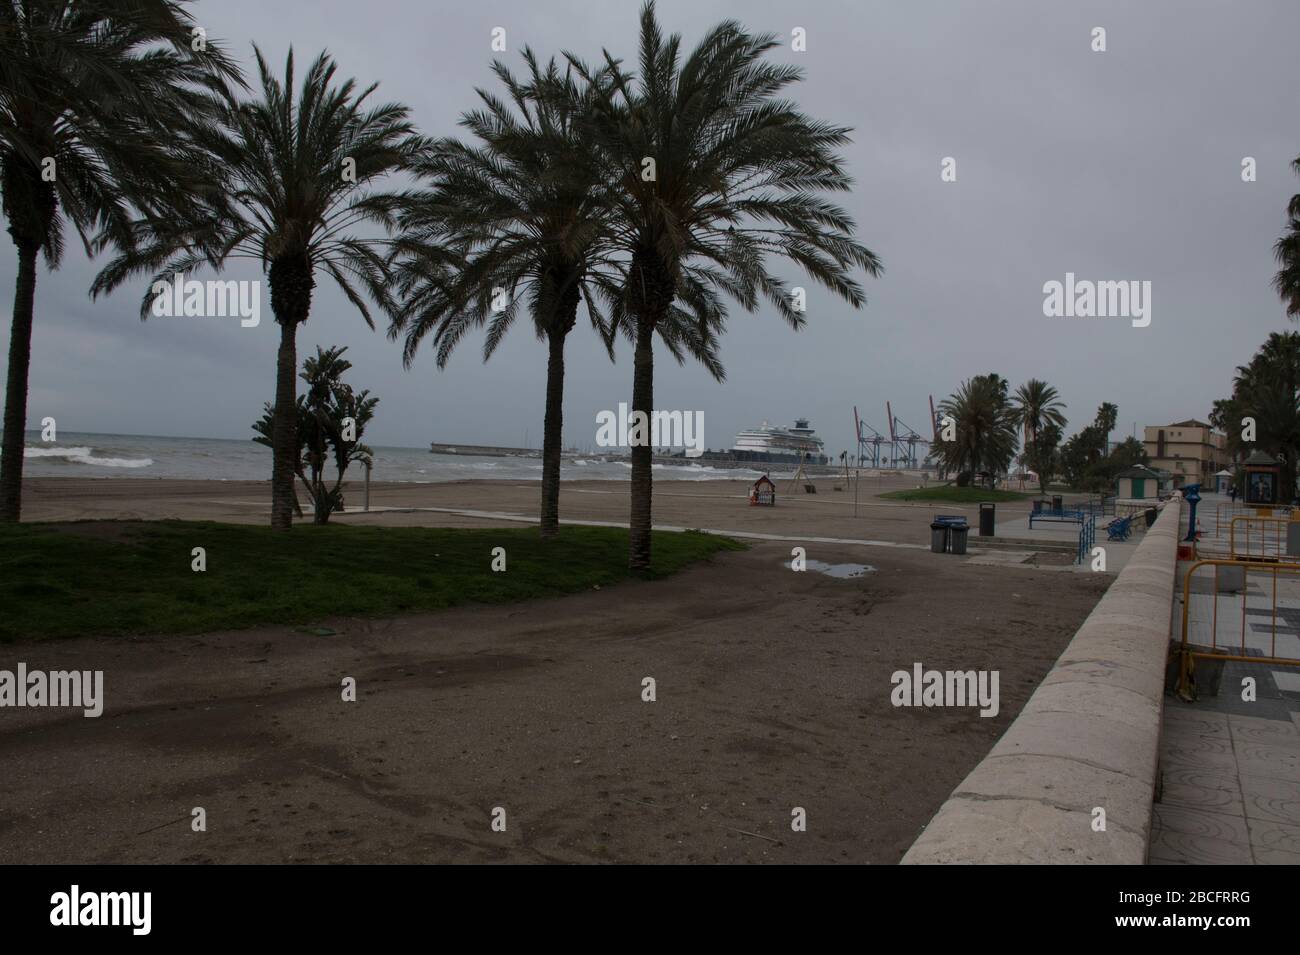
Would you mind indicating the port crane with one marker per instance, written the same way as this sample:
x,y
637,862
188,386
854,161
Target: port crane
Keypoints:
x,y
868,447
903,440
899,447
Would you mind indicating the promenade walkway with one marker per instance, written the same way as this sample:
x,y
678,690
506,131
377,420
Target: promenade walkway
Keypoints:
x,y
1230,761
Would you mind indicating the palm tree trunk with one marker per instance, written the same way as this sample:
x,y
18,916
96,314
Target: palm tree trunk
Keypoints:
x,y
20,359
553,436
291,282
643,401
284,438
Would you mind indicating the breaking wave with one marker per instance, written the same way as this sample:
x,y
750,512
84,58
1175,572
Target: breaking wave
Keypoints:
x,y
81,455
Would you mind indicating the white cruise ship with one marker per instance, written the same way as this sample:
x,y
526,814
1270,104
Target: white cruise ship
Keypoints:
x,y
780,445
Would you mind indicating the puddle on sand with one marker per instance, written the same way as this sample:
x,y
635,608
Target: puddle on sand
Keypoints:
x,y
841,571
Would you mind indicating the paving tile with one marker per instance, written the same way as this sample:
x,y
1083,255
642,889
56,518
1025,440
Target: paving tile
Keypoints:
x,y
1201,722
1276,857
1269,732
1218,799
1173,738
1181,774
1271,800
1275,762
1274,836
1177,847
1191,753
1197,822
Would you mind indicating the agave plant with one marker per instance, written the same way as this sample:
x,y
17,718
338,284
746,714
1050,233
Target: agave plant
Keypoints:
x,y
331,420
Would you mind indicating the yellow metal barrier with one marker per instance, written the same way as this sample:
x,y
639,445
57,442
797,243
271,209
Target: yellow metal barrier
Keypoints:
x,y
1267,542
1225,511
1188,656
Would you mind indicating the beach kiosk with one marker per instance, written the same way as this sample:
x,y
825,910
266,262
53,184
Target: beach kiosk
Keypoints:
x,y
763,493
1262,474
1138,483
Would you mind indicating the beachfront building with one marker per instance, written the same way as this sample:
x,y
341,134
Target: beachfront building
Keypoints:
x,y
1138,483
1191,451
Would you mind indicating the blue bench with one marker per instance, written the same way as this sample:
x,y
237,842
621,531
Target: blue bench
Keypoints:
x,y
1119,529
1059,517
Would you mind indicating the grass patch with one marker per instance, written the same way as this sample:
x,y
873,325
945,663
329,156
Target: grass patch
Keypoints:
x,y
130,577
956,495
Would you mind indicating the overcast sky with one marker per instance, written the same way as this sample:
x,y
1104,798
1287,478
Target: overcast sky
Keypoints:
x,y
1122,165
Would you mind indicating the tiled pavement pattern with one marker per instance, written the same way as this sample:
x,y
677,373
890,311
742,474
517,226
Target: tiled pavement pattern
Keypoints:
x,y
1230,769
1231,787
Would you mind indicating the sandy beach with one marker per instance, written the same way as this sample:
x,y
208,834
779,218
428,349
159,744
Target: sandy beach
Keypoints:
x,y
718,504
773,693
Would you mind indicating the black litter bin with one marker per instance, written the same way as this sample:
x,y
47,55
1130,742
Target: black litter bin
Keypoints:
x,y
1056,502
938,537
987,511
957,543
1151,514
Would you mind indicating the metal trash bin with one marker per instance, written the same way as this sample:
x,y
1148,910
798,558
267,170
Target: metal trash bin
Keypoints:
x,y
957,543
938,537
1056,502
987,512
1038,505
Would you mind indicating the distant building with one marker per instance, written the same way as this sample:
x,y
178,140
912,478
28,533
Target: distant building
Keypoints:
x,y
1191,451
1138,483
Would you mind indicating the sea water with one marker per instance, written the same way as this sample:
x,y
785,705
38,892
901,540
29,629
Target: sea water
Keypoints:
x,y
220,459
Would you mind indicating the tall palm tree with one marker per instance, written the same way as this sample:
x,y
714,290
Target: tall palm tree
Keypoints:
x,y
1037,404
517,216
713,173
523,215
303,180
1287,252
1268,390
986,426
97,101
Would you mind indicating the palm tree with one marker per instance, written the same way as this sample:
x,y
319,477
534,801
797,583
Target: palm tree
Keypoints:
x,y
97,102
986,426
520,215
1037,404
301,179
523,215
1287,252
1268,390
712,172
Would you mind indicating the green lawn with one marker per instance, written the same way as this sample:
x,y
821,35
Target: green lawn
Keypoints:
x,y
956,495
81,578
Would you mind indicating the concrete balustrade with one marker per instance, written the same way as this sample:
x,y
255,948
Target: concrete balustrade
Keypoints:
x,y
1088,738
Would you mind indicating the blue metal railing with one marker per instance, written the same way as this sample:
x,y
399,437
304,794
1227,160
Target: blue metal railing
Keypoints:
x,y
1087,537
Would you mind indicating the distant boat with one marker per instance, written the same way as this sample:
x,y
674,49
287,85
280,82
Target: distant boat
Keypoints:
x,y
767,444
